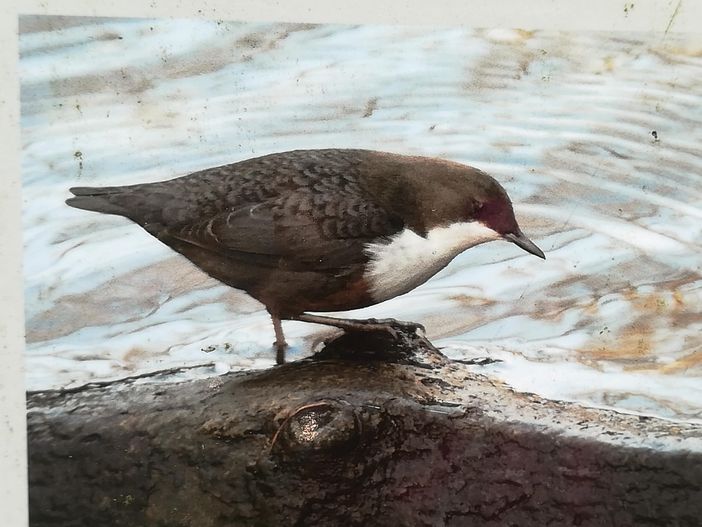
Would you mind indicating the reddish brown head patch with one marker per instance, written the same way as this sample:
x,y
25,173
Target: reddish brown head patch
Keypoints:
x,y
497,214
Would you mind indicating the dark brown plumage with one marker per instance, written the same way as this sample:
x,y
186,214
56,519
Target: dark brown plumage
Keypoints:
x,y
293,229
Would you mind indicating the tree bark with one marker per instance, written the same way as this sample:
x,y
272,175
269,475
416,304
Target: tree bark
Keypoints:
x,y
371,431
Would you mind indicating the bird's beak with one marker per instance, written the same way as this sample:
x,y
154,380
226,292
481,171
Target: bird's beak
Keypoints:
x,y
525,243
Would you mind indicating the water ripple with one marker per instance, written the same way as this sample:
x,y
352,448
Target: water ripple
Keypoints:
x,y
596,136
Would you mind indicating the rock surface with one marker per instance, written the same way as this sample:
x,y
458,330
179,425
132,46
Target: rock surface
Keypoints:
x,y
368,432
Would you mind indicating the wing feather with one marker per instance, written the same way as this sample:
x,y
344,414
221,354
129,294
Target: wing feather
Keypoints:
x,y
305,230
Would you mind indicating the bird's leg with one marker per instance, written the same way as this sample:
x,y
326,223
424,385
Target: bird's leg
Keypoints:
x,y
372,324
280,344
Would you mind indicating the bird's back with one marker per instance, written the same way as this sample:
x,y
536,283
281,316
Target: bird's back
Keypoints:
x,y
208,192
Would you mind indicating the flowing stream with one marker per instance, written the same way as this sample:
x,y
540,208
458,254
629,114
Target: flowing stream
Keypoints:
x,y
596,136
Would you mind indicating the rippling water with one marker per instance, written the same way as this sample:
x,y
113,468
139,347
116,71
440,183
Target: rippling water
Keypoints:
x,y
596,137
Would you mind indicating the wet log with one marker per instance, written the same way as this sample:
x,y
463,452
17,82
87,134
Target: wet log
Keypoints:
x,y
372,431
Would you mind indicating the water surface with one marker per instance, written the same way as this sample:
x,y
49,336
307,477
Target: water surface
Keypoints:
x,y
595,136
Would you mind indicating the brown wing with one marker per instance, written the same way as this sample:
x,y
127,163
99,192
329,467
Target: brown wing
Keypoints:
x,y
303,230
295,210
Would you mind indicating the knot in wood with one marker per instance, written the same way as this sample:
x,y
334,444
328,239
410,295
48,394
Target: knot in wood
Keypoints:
x,y
322,427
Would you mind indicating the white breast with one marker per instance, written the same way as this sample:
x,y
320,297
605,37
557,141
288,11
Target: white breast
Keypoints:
x,y
407,260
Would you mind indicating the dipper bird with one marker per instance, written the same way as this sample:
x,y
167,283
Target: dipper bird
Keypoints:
x,y
320,230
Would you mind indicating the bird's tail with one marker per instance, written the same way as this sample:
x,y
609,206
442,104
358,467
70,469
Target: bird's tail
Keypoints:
x,y
98,199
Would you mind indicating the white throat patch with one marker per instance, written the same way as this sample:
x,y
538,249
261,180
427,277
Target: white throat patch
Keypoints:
x,y
407,260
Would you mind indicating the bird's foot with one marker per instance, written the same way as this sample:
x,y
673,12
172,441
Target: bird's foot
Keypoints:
x,y
280,348
279,345
394,327
389,325
383,340
386,337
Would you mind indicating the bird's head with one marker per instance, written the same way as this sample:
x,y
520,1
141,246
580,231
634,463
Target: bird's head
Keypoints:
x,y
460,204
479,209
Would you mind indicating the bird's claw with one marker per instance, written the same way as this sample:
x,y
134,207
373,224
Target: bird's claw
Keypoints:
x,y
412,328
393,327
